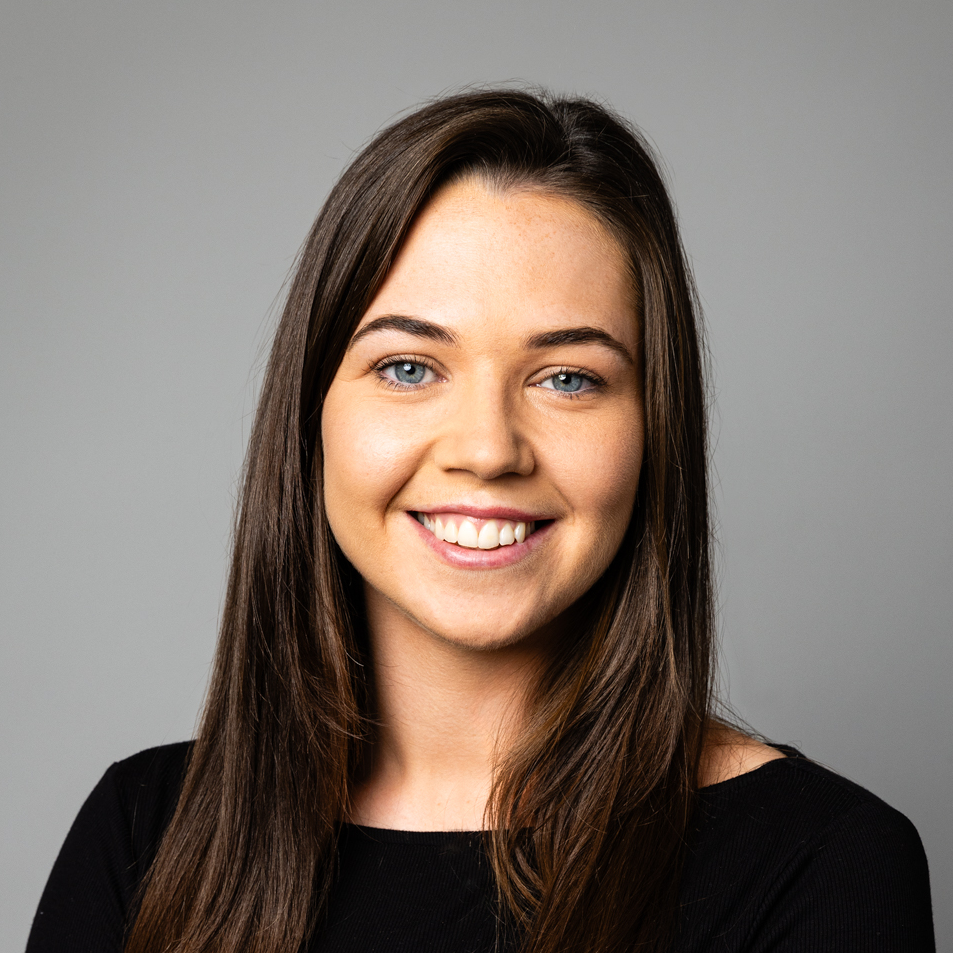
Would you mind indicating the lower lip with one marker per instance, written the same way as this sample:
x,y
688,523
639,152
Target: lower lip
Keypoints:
x,y
464,558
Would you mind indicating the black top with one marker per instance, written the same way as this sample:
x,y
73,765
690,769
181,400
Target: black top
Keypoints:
x,y
790,857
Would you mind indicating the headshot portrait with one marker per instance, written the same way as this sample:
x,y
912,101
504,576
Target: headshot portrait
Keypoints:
x,y
477,479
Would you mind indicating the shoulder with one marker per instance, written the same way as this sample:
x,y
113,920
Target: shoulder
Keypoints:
x,y
107,851
752,788
728,753
798,798
153,770
794,850
135,800
145,787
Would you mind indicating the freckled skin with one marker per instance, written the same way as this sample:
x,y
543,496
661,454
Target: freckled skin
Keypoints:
x,y
486,428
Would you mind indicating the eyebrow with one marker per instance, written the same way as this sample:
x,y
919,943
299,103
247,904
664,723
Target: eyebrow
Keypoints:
x,y
536,342
416,326
584,335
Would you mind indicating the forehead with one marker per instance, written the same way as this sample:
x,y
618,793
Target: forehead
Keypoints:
x,y
514,258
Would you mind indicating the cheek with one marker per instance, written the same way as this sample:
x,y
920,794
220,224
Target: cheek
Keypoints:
x,y
605,481
366,461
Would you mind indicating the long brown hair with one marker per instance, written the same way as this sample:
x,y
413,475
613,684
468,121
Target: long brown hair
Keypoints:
x,y
589,812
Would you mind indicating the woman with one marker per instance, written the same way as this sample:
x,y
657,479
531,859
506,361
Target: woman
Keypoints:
x,y
462,696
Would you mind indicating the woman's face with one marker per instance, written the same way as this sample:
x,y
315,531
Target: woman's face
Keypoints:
x,y
483,435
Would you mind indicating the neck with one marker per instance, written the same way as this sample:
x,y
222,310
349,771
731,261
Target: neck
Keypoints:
x,y
445,715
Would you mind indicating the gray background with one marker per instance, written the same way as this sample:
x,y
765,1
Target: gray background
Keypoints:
x,y
162,163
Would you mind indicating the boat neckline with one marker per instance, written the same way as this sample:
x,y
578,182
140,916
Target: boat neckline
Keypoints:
x,y
434,837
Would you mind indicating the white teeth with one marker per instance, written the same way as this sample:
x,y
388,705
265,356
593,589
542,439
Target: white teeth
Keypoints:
x,y
467,535
489,537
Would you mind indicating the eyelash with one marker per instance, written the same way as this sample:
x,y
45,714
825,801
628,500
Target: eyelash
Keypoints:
x,y
598,383
595,380
381,366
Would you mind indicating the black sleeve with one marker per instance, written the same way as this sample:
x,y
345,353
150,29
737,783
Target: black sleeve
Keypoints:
x,y
90,894
84,904
860,886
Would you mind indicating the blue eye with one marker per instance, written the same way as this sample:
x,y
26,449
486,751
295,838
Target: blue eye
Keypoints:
x,y
407,372
568,382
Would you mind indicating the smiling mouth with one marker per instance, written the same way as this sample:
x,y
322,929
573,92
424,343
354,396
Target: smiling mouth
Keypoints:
x,y
474,533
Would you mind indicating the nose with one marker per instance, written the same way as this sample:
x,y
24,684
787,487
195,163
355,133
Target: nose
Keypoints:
x,y
482,434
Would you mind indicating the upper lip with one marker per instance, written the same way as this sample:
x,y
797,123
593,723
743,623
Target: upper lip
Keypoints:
x,y
484,512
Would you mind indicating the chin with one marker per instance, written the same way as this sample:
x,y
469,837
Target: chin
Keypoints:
x,y
494,630
481,641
